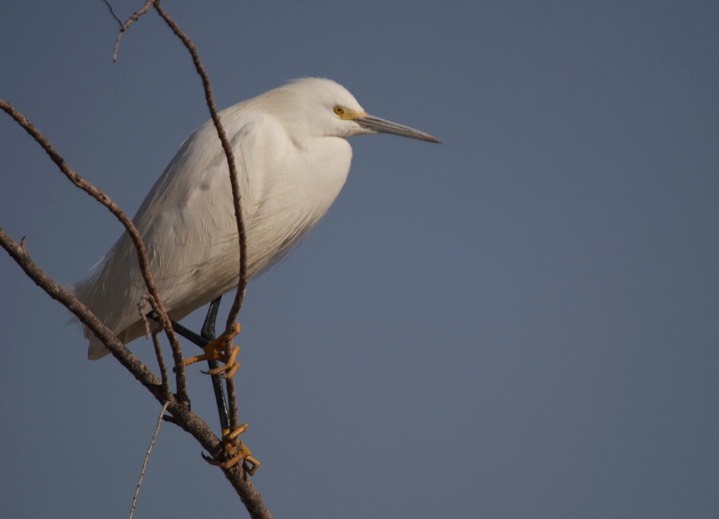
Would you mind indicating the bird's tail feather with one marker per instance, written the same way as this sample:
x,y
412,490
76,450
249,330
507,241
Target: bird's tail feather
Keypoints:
x,y
96,349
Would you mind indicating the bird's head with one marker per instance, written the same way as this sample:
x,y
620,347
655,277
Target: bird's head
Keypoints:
x,y
324,107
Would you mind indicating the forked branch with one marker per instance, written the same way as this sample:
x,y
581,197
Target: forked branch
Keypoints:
x,y
179,412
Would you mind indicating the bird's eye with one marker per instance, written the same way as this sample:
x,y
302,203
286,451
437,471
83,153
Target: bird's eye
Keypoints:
x,y
339,110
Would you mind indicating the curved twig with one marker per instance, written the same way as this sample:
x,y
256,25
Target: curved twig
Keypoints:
x,y
234,182
234,179
132,231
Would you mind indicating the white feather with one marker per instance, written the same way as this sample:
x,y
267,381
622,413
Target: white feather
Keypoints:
x,y
292,159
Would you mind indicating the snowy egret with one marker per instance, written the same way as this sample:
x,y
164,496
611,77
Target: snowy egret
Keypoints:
x,y
292,157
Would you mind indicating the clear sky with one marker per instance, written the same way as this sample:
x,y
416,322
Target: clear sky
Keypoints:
x,y
521,322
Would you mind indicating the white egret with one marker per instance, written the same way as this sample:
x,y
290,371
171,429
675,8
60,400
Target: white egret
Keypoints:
x,y
292,159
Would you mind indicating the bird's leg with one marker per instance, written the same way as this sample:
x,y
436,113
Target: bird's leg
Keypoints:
x,y
197,340
208,334
234,451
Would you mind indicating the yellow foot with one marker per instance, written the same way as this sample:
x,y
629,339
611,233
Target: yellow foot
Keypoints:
x,y
223,350
235,452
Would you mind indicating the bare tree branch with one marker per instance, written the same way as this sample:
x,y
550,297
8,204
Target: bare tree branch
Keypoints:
x,y
179,411
132,231
236,196
18,251
176,405
234,178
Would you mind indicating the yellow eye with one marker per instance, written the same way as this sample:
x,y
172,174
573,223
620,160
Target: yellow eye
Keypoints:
x,y
339,110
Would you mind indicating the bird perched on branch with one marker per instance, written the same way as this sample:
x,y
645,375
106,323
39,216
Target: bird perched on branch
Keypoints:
x,y
292,159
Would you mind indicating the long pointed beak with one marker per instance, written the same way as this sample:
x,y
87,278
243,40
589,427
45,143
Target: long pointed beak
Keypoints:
x,y
376,124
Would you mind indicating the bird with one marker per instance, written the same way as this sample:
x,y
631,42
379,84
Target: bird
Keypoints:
x,y
292,157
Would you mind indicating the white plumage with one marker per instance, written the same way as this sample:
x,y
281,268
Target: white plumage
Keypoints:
x,y
292,159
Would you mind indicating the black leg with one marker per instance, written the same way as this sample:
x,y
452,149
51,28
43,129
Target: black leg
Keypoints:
x,y
197,340
202,340
208,334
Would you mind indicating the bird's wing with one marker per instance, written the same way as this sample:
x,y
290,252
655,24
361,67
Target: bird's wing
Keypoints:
x,y
188,221
189,230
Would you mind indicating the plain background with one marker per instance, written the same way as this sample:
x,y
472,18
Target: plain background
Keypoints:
x,y
521,322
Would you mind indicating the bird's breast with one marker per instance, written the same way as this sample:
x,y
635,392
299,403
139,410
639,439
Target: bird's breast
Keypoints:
x,y
297,193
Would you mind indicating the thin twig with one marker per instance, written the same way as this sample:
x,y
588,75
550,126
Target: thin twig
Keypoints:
x,y
236,196
147,456
130,228
156,343
124,26
160,361
112,12
143,315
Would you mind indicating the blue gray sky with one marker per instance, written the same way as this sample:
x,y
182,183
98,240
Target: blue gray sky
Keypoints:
x,y
521,322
